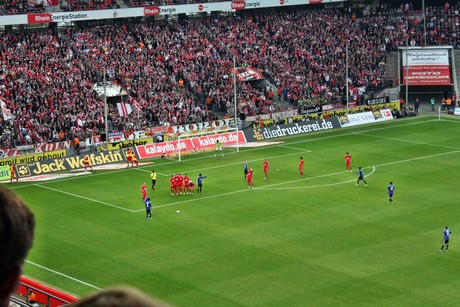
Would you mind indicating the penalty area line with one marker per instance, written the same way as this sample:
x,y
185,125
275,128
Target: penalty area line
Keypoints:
x,y
63,275
313,186
247,190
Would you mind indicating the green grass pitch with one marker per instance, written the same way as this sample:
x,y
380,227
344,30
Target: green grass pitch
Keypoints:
x,y
291,241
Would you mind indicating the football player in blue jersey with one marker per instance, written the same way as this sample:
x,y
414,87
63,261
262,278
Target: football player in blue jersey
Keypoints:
x,y
445,239
148,207
361,177
391,190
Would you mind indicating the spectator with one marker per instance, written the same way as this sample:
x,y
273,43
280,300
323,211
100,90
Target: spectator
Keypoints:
x,y
171,69
32,298
118,297
17,225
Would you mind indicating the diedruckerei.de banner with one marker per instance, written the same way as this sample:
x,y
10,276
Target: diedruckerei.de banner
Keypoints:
x,y
277,131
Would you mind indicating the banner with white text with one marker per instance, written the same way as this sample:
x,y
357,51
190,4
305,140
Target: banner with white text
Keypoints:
x,y
423,67
190,145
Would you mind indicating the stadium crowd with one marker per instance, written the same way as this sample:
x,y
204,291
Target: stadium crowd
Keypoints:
x,y
84,5
14,7
136,3
180,72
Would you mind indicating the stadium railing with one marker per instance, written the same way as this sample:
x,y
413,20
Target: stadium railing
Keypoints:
x,y
44,295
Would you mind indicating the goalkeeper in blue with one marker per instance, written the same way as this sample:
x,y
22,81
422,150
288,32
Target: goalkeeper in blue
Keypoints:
x,y
391,190
361,177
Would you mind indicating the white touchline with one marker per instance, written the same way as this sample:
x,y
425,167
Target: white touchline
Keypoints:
x,y
83,197
63,275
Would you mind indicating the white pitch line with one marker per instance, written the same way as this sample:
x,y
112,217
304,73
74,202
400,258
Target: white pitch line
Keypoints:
x,y
63,275
336,135
201,198
265,187
295,148
250,161
313,186
420,158
303,179
83,197
407,141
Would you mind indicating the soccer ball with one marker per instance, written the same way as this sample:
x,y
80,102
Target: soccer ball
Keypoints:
x,y
177,211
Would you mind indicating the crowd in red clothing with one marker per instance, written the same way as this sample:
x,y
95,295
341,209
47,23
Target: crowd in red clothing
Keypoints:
x,y
14,7
84,5
135,3
180,72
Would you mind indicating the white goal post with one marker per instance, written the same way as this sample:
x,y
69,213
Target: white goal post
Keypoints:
x,y
206,141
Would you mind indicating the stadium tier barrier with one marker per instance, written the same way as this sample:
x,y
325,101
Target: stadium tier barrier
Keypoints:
x,y
44,295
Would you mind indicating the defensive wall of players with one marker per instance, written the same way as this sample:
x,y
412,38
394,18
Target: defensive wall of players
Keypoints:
x,y
145,148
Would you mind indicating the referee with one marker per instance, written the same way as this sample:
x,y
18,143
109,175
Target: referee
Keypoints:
x,y
153,175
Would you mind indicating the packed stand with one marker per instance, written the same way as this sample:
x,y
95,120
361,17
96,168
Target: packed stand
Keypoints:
x,y
179,73
150,61
15,7
47,89
86,5
304,53
137,3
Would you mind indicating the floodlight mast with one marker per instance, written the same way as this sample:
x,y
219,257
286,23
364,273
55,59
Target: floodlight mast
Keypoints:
x,y
407,68
235,100
346,75
105,114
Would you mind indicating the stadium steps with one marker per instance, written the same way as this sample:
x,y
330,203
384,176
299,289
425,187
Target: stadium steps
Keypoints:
x,y
457,65
391,65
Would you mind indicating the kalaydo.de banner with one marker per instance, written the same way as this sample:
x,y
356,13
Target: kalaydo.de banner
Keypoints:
x,y
190,145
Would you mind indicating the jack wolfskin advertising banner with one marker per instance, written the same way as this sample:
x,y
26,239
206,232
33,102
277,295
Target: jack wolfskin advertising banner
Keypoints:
x,y
261,134
68,163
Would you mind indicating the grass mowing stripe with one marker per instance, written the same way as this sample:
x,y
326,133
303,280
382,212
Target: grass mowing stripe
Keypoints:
x,y
326,245
83,197
406,141
268,187
63,275
259,148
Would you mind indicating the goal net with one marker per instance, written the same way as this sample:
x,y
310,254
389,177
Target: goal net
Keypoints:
x,y
218,142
